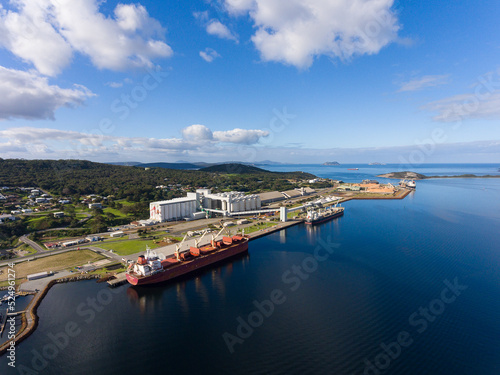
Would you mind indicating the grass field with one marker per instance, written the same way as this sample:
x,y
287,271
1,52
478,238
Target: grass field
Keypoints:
x,y
53,263
128,247
256,227
115,212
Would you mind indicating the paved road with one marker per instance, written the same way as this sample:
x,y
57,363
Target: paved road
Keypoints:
x,y
54,252
33,244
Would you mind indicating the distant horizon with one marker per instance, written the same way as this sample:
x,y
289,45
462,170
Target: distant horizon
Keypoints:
x,y
266,163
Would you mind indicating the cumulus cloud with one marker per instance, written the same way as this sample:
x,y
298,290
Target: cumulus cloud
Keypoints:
x,y
197,133
46,32
29,95
241,136
215,27
295,32
424,82
209,55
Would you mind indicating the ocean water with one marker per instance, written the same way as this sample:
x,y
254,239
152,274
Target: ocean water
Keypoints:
x,y
393,287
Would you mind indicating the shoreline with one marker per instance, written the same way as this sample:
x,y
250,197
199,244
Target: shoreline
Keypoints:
x,y
30,318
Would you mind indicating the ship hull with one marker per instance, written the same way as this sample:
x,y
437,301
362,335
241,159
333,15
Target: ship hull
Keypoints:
x,y
193,265
324,219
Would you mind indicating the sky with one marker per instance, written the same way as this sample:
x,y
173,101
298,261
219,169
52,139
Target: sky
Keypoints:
x,y
291,81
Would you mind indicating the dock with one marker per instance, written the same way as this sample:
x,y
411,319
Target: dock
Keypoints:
x,y
119,279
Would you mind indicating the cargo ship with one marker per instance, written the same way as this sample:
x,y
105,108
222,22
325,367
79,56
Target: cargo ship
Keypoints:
x,y
317,217
353,169
151,269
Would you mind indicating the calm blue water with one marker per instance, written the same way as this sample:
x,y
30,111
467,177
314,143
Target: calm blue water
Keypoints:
x,y
370,171
384,274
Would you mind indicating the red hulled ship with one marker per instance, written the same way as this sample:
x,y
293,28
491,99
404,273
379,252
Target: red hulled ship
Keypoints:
x,y
150,269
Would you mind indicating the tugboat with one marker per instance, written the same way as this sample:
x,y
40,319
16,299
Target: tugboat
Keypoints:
x,y
151,269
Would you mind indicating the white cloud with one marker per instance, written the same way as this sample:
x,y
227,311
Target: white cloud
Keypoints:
x,y
424,82
28,35
10,147
114,85
30,96
294,32
209,55
215,27
466,106
30,135
197,133
46,32
195,138
241,136
239,6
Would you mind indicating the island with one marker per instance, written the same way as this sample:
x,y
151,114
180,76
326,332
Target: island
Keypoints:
x,y
408,175
331,163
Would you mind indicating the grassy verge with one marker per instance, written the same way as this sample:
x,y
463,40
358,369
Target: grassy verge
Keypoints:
x,y
52,263
259,226
128,247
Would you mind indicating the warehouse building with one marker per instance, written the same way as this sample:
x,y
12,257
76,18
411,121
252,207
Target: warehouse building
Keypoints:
x,y
194,205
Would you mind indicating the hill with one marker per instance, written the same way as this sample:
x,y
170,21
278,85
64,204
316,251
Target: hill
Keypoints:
x,y
169,165
234,168
74,178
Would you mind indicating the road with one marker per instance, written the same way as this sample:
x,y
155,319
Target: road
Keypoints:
x,y
33,244
60,251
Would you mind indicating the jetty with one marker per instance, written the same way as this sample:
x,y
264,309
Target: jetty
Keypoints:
x,y
119,279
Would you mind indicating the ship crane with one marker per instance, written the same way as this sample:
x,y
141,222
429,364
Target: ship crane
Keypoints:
x,y
197,242
178,247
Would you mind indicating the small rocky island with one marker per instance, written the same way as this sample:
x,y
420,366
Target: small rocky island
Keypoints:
x,y
405,175
408,175
331,163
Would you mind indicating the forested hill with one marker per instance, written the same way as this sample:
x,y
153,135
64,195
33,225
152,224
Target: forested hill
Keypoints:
x,y
79,177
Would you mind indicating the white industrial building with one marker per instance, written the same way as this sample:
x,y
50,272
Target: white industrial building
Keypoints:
x,y
231,202
193,205
174,209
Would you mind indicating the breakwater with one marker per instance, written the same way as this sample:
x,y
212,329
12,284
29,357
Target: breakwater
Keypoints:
x,y
29,318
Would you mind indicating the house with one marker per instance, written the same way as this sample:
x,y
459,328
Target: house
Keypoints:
x,y
94,205
58,215
64,201
27,210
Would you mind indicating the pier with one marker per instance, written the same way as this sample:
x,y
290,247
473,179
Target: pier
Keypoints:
x,y
119,279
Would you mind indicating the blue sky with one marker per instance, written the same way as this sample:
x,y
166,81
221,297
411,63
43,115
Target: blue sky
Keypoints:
x,y
291,81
